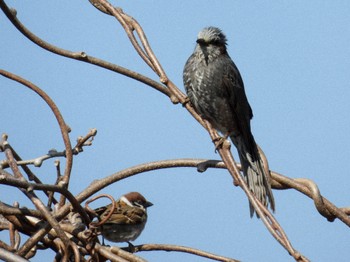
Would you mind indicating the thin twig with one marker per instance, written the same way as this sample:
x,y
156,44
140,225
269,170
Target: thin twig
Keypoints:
x,y
53,153
84,141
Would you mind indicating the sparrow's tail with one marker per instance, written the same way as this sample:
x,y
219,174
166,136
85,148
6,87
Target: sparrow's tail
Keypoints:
x,y
253,170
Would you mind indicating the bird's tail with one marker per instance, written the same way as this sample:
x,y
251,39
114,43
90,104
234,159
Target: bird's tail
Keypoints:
x,y
253,170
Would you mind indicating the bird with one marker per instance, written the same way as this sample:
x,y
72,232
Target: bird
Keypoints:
x,y
128,219
215,89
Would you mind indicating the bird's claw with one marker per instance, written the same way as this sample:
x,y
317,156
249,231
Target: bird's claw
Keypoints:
x,y
221,142
185,101
131,247
218,142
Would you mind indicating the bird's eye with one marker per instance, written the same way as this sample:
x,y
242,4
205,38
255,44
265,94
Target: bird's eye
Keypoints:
x,y
137,203
215,42
201,41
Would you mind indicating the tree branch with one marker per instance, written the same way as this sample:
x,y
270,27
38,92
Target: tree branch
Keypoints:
x,y
81,56
62,124
197,252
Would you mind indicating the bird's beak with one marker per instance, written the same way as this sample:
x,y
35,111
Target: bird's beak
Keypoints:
x,y
202,44
147,204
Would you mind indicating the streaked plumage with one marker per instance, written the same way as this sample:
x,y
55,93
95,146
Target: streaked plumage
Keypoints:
x,y
128,219
216,90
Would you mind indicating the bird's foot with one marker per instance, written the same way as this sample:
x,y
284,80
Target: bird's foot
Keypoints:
x,y
185,101
103,241
219,142
131,247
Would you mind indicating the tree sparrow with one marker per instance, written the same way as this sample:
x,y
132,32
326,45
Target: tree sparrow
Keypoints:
x,y
128,219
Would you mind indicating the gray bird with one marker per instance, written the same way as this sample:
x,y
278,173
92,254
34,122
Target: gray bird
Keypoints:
x,y
215,89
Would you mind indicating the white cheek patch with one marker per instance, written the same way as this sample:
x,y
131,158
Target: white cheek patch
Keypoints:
x,y
126,201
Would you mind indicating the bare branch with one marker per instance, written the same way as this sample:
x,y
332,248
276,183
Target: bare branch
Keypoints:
x,y
114,251
7,179
144,50
53,153
30,194
328,209
63,126
81,56
197,252
107,253
201,165
23,211
8,256
84,141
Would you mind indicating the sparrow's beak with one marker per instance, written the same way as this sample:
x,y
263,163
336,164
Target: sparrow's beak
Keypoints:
x,y
147,204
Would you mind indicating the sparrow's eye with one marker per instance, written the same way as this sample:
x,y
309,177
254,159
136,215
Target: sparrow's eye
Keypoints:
x,y
138,203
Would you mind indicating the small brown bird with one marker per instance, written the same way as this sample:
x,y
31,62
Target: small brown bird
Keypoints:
x,y
128,219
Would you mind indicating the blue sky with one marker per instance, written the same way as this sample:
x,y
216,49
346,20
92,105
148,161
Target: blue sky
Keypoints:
x,y
294,57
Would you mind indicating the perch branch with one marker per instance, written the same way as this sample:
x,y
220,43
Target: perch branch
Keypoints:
x,y
197,252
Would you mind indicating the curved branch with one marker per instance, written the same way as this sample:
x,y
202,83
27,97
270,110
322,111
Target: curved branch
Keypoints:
x,y
130,24
7,179
176,248
271,223
81,56
202,165
307,187
62,124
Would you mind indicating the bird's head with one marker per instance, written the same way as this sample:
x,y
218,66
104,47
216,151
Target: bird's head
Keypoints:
x,y
135,199
211,42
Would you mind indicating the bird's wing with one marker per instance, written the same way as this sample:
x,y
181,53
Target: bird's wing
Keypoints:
x,y
233,83
187,79
242,112
125,215
135,215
